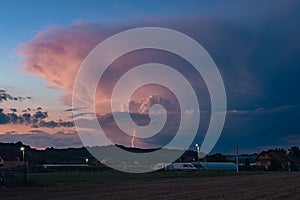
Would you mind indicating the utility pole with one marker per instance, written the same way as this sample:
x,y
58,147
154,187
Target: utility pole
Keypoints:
x,y
237,158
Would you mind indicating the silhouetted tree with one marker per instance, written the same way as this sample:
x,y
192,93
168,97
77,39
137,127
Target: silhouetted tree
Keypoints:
x,y
294,152
218,157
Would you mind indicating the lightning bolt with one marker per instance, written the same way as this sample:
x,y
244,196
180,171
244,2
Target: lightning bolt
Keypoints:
x,y
132,139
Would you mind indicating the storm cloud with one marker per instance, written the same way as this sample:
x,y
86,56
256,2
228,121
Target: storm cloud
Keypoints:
x,y
257,53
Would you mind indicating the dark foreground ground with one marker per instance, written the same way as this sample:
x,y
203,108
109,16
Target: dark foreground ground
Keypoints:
x,y
158,185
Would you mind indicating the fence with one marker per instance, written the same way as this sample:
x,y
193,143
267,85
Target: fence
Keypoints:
x,y
13,177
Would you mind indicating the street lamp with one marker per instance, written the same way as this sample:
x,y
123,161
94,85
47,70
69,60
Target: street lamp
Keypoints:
x,y
86,160
23,153
198,151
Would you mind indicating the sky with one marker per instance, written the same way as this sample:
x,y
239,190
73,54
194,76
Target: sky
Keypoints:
x,y
255,45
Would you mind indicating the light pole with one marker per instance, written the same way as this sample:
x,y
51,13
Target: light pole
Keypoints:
x,y
198,151
24,165
23,153
237,158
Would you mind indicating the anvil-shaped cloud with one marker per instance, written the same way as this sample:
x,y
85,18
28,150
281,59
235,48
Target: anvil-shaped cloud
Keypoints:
x,y
259,64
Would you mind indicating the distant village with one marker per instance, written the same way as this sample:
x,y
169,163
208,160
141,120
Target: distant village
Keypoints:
x,y
17,156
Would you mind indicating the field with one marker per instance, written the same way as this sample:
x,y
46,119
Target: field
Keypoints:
x,y
157,185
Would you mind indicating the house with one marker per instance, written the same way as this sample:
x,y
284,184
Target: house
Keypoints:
x,y
247,162
10,159
273,160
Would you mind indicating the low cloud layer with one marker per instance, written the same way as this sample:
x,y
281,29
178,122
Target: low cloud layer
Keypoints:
x,y
4,96
41,139
35,120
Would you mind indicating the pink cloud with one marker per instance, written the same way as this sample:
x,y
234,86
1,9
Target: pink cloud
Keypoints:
x,y
56,53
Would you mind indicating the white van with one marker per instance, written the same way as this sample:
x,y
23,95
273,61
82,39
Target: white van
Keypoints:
x,y
175,166
162,166
184,166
